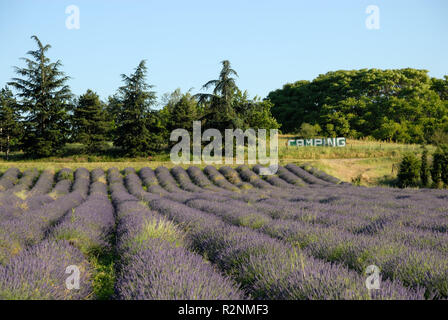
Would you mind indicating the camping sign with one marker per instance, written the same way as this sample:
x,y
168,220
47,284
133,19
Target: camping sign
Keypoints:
x,y
318,142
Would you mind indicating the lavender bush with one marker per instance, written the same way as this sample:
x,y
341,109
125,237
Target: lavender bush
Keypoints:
x,y
39,273
9,178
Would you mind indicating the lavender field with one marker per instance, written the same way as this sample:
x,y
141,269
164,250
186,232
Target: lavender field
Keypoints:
x,y
217,233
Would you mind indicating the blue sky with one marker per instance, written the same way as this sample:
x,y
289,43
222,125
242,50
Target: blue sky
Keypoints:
x,y
269,43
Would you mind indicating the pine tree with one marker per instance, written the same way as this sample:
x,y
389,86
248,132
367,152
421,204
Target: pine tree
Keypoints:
x,y
89,122
134,116
45,100
424,169
10,126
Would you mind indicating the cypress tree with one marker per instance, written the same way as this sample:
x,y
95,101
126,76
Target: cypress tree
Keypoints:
x,y
10,126
45,100
90,123
444,164
134,116
436,170
424,168
113,108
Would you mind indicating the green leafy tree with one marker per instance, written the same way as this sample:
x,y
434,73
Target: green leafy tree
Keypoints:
x,y
258,116
401,104
409,172
388,130
134,117
90,122
10,125
309,131
45,101
440,136
183,113
255,113
441,87
168,100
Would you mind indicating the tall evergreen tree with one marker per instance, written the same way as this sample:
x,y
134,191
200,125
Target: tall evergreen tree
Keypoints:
x,y
444,165
10,126
219,105
90,123
45,100
424,168
436,169
134,116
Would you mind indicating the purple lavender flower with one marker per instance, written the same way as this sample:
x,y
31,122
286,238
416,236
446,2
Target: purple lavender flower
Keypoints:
x,y
39,272
9,178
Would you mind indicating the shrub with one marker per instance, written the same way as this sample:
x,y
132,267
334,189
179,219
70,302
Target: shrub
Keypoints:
x,y
409,172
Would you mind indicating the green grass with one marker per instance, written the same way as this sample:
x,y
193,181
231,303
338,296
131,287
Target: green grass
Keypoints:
x,y
160,229
365,171
104,274
21,194
253,221
101,259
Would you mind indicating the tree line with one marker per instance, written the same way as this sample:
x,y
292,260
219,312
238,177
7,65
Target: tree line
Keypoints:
x,y
402,105
42,114
415,172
